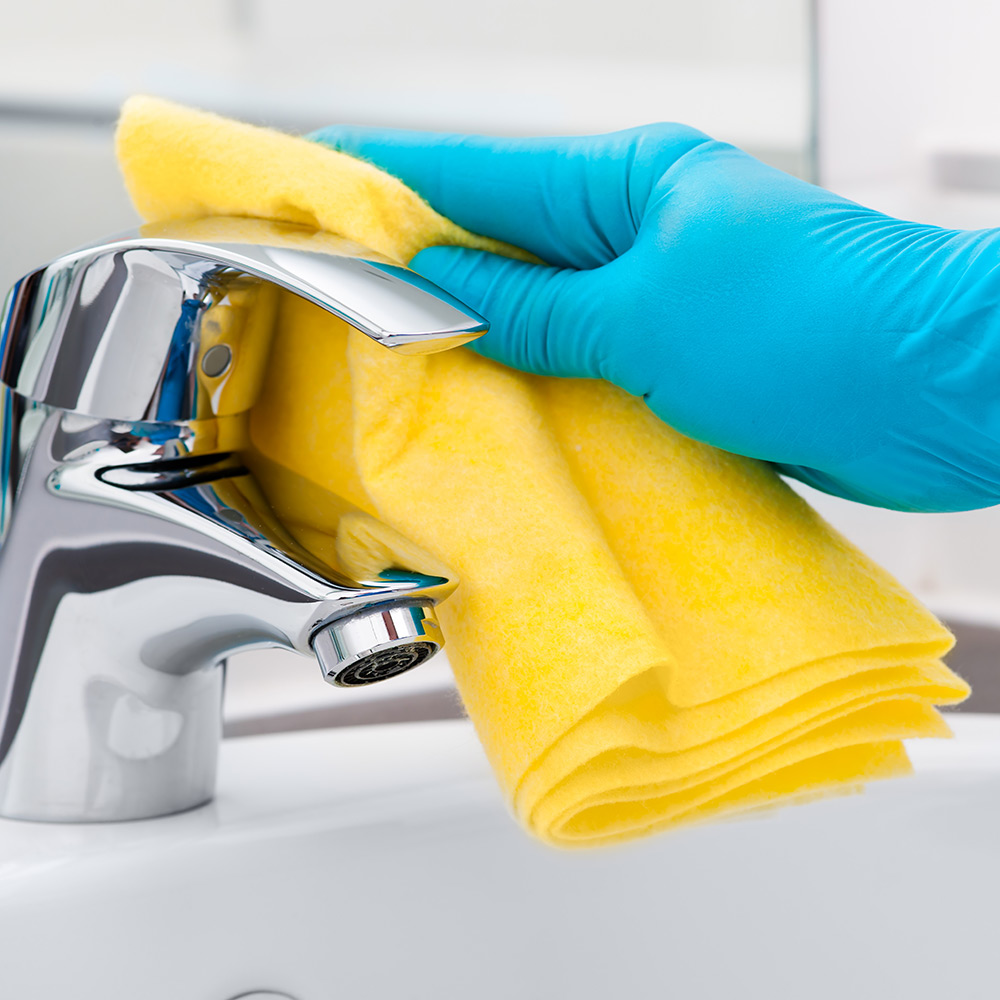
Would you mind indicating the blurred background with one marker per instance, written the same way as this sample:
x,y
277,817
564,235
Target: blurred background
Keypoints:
x,y
890,102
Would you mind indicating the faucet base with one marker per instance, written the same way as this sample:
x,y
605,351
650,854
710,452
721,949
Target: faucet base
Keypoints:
x,y
116,740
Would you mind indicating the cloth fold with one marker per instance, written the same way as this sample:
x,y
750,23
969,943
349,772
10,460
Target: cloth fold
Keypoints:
x,y
648,631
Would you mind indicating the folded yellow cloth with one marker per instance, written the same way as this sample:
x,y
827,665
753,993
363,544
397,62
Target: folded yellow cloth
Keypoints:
x,y
648,631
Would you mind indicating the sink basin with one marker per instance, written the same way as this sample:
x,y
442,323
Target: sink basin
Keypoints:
x,y
379,861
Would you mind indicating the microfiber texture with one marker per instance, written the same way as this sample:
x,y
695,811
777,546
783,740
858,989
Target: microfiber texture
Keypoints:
x,y
648,631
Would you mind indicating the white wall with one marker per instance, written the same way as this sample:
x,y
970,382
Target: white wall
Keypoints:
x,y
909,92
733,68
59,189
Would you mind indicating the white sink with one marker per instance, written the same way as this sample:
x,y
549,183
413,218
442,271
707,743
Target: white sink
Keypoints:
x,y
380,862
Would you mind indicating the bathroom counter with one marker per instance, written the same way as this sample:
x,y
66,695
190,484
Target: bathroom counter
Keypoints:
x,y
379,860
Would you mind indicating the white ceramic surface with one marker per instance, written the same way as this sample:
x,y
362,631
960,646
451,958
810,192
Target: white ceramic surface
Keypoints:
x,y
379,862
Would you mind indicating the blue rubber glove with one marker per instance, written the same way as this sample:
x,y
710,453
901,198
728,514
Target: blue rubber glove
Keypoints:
x,y
751,310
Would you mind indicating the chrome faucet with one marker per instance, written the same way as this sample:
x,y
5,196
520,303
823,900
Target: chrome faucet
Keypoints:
x,y
138,545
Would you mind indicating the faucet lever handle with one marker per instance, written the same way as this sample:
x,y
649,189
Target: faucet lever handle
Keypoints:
x,y
113,330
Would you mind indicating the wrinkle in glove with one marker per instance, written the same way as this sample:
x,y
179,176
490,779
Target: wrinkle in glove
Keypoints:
x,y
648,631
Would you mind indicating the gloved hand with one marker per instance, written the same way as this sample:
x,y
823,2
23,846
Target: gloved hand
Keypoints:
x,y
753,311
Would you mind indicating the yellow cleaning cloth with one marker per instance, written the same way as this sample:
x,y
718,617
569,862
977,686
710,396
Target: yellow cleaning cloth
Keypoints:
x,y
648,631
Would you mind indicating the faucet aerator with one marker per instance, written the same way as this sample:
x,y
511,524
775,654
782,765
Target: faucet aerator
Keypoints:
x,y
376,643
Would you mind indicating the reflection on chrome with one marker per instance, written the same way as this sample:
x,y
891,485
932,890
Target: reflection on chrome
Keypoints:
x,y
138,544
